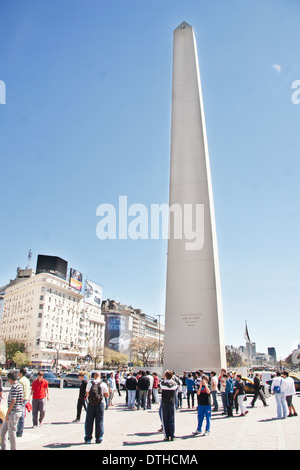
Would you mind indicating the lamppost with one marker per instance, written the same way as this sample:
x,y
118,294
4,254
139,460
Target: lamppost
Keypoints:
x,y
159,315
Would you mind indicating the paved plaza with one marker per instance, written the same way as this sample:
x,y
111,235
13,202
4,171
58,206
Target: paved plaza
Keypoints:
x,y
127,430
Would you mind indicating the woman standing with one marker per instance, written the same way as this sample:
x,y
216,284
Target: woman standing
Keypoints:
x,y
240,393
204,406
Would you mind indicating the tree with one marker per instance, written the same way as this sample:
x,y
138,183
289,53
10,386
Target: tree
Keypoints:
x,y
233,358
21,359
113,358
11,347
143,348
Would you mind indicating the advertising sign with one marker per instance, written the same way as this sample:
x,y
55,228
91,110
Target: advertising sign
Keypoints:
x,y
75,279
93,293
53,265
118,332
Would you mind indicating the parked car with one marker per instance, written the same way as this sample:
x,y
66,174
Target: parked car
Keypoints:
x,y
249,385
71,380
6,372
51,378
296,379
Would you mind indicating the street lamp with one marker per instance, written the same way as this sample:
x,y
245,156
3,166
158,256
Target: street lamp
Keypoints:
x,y
159,315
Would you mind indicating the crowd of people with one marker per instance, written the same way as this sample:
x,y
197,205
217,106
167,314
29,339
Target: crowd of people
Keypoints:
x,y
142,391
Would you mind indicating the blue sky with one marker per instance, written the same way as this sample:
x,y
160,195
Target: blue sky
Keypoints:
x,y
87,119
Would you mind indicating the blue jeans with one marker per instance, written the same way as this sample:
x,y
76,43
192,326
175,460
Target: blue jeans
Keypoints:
x,y
215,401
94,414
131,398
204,411
224,401
21,422
281,405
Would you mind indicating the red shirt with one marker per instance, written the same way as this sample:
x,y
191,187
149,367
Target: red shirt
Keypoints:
x,y
39,389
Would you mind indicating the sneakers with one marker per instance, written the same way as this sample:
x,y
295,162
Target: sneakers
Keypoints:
x,y
197,433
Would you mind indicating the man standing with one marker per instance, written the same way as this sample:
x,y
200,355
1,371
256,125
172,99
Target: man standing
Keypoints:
x,y
131,384
190,384
155,387
112,388
214,390
143,386
279,388
168,393
39,392
14,412
95,391
26,398
291,390
222,381
240,394
81,402
149,393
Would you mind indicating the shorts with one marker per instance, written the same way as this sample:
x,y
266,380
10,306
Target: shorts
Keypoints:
x,y
289,400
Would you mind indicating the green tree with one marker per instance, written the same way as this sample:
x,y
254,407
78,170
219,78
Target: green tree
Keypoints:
x,y
11,347
21,359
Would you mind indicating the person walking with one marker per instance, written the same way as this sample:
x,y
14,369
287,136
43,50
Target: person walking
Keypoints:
x,y
279,389
14,412
143,386
81,402
214,390
24,381
290,392
131,386
190,384
240,394
258,391
168,391
204,406
95,391
40,393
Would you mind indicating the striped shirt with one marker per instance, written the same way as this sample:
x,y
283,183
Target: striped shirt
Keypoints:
x,y
16,393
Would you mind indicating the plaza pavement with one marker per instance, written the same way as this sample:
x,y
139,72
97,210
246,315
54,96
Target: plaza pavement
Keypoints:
x,y
130,431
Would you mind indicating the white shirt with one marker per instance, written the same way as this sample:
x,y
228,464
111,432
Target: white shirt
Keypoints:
x,y
214,383
151,381
291,390
282,384
102,384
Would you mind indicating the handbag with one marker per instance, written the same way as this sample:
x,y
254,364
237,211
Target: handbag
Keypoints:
x,y
28,406
277,388
3,411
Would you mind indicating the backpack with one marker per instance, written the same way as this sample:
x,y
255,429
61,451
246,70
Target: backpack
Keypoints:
x,y
95,394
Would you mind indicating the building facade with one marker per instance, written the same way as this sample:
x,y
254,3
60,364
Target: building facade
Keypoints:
x,y
52,319
125,324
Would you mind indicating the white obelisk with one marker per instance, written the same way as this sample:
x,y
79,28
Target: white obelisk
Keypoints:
x,y
194,333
